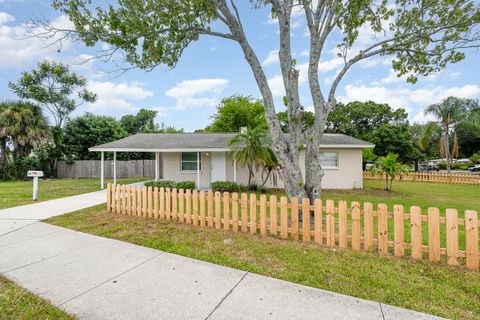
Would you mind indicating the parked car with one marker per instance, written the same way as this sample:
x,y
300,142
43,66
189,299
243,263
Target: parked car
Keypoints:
x,y
475,168
428,167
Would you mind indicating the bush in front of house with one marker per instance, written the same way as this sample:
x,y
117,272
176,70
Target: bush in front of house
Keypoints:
x,y
228,186
171,184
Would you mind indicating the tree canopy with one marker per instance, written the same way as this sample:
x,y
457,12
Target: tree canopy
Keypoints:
x,y
143,121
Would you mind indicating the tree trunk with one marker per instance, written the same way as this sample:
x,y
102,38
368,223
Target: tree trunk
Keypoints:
x,y
3,150
447,146
386,182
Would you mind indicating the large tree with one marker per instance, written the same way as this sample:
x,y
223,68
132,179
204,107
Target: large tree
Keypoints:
x,y
143,121
449,112
236,112
423,37
25,125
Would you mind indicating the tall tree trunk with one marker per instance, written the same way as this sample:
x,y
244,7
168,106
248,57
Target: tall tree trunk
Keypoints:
x,y
3,150
386,181
447,145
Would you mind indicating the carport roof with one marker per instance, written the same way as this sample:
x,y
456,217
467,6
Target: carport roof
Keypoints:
x,y
196,142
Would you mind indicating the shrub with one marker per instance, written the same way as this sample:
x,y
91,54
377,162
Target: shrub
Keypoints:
x,y
185,185
228,186
163,183
475,158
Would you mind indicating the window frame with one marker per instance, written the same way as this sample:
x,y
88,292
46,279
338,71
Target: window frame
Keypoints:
x,y
331,167
197,160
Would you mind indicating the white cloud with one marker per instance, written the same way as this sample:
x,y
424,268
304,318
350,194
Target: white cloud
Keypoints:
x,y
305,53
272,58
19,48
116,96
276,86
187,92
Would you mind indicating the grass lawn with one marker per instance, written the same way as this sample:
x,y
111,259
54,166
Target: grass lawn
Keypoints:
x,y
18,303
432,288
16,193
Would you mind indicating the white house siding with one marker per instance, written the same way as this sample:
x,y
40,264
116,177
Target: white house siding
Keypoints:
x,y
347,176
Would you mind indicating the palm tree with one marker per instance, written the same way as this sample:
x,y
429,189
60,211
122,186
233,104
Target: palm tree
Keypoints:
x,y
25,124
3,137
389,166
448,112
250,148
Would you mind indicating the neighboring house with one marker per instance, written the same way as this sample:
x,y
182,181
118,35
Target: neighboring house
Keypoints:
x,y
204,158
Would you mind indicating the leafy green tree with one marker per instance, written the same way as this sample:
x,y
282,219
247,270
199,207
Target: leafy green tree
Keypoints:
x,y
308,119
143,121
87,131
23,122
251,148
449,112
236,112
3,138
163,128
391,167
55,88
468,131
423,37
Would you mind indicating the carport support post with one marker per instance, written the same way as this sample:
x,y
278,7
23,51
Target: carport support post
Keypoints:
x,y
198,170
102,170
234,170
157,169
114,167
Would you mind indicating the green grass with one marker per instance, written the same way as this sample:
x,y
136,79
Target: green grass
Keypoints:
x,y
18,303
16,193
432,288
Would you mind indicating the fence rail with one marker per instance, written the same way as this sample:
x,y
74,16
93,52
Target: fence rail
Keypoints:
x,y
453,178
361,228
91,169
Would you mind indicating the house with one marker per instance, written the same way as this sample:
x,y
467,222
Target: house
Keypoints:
x,y
204,158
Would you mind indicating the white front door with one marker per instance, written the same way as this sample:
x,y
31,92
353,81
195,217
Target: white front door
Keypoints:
x,y
218,166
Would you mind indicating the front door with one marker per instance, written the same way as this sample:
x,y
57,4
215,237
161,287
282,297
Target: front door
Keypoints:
x,y
218,166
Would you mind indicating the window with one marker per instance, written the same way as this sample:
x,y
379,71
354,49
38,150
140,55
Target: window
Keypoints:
x,y
189,161
329,159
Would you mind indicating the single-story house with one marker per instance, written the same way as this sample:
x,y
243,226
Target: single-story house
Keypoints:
x,y
205,158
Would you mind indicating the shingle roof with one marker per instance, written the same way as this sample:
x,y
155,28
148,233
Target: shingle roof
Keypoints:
x,y
164,142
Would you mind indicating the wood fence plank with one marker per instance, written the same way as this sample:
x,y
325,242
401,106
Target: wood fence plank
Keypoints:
x,y
203,214
134,200
416,232
342,224
273,215
139,201
263,215
124,199
471,235
253,213
368,226
128,191
382,228
244,208
109,197
118,196
452,236
150,202
174,204
168,199
306,220
144,202
162,203
318,212
218,208
433,234
226,211
195,207
235,212
398,231
155,203
294,217
210,209
188,206
284,217
181,205
356,226
330,228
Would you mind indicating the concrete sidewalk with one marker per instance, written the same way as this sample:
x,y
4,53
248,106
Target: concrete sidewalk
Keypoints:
x,y
99,278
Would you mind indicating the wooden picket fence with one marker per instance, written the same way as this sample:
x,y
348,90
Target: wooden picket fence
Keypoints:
x,y
360,228
453,178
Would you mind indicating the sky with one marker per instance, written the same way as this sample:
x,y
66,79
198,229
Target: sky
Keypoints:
x,y
213,68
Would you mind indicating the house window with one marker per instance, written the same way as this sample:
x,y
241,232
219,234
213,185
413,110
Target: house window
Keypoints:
x,y
329,160
189,161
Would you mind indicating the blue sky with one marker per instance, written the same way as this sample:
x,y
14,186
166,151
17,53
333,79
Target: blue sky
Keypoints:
x,y
213,68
